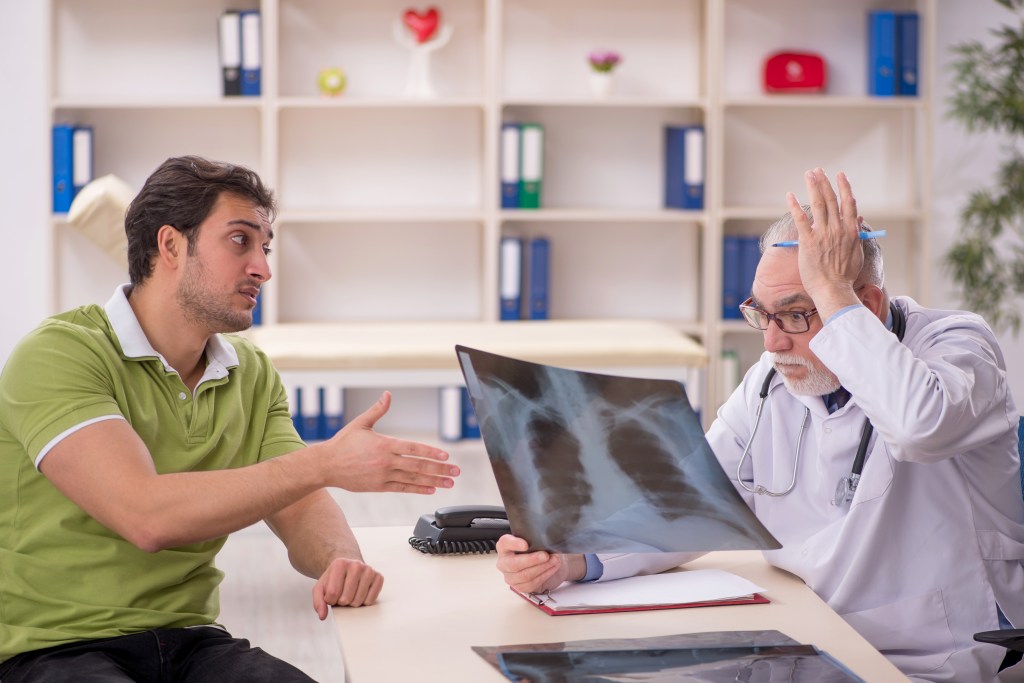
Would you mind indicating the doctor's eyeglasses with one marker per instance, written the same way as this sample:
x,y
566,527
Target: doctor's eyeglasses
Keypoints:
x,y
791,322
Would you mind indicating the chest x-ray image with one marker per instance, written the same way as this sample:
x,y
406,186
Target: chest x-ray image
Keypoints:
x,y
590,463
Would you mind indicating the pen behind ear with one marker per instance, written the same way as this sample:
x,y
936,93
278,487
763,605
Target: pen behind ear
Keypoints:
x,y
864,235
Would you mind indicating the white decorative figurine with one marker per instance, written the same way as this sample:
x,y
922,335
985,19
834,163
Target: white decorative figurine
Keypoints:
x,y
421,34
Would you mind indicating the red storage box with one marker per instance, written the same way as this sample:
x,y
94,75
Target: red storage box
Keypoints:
x,y
801,72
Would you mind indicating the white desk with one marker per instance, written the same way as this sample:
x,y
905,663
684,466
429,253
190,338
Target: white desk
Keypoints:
x,y
434,608
423,353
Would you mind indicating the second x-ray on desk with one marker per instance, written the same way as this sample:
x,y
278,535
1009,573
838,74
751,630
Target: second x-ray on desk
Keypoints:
x,y
592,463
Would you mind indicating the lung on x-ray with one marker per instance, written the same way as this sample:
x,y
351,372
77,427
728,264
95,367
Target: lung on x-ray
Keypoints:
x,y
591,463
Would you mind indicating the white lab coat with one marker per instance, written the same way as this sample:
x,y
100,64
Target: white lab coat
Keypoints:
x,y
934,537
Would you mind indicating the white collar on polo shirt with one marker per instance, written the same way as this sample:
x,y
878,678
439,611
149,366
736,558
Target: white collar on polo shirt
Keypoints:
x,y
220,355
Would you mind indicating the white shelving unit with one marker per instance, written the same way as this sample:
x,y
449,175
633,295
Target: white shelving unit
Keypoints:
x,y
389,206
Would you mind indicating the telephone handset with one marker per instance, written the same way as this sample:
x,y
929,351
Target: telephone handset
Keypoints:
x,y
460,529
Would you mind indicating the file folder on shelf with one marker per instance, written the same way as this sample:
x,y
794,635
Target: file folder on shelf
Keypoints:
x,y
907,53
531,165
510,165
295,403
252,53
511,276
72,159
231,52
538,277
63,169
309,412
684,167
470,425
750,256
881,53
257,311
449,413
334,410
732,276
81,161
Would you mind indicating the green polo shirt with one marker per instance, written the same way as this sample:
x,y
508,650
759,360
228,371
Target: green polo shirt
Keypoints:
x,y
65,577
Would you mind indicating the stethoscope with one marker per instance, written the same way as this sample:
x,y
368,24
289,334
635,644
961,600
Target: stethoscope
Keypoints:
x,y
847,484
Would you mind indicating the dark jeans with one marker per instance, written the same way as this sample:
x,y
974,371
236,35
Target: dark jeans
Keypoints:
x,y
192,655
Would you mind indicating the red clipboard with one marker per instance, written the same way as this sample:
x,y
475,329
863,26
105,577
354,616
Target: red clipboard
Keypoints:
x,y
754,599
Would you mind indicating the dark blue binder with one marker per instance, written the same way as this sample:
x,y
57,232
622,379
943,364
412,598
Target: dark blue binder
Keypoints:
x,y
732,269
510,276
907,53
539,277
882,53
510,133
684,167
252,53
750,255
257,312
63,167
297,412
470,426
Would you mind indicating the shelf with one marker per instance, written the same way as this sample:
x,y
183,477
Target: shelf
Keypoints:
x,y
389,205
367,102
380,215
602,216
609,102
408,348
821,101
157,103
772,213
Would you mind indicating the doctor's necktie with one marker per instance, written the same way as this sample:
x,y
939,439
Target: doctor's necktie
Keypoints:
x,y
837,399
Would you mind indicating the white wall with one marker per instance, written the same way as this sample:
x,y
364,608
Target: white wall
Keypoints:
x,y
960,163
24,171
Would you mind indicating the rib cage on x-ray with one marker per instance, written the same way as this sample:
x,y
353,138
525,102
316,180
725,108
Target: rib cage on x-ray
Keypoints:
x,y
593,463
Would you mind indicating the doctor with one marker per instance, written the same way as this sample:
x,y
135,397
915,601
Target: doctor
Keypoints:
x,y
919,544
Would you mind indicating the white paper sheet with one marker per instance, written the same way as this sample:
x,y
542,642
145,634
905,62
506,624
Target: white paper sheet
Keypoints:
x,y
668,588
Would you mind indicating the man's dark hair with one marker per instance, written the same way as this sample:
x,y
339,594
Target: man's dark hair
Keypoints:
x,y
181,193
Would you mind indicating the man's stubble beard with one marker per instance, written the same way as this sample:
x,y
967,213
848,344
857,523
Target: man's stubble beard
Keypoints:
x,y
202,307
817,382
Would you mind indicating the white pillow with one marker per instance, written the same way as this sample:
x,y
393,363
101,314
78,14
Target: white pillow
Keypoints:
x,y
98,213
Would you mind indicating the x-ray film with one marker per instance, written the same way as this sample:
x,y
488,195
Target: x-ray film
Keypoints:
x,y
590,463
796,663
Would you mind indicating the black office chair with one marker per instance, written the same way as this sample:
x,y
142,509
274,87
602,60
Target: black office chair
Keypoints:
x,y
1013,638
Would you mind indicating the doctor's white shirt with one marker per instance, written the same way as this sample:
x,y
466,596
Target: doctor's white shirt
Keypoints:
x,y
933,539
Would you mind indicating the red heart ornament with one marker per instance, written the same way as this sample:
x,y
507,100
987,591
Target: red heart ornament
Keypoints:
x,y
423,25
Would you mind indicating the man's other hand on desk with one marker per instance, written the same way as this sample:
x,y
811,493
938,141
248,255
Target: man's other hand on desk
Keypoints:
x,y
346,583
538,571
360,459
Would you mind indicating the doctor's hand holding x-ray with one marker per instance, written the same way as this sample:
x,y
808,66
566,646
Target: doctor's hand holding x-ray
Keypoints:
x,y
875,438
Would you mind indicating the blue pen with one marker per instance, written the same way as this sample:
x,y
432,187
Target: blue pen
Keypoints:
x,y
864,235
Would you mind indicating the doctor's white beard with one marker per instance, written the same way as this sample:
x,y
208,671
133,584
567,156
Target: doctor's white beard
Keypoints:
x,y
818,381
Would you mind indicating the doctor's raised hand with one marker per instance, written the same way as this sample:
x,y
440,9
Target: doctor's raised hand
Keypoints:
x,y
830,255
538,571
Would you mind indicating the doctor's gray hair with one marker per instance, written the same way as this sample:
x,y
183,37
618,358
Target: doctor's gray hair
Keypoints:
x,y
784,229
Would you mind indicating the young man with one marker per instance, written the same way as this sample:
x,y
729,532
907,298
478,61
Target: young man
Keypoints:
x,y
927,549
135,436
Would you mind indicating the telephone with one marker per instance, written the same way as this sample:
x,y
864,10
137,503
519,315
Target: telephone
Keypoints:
x,y
460,529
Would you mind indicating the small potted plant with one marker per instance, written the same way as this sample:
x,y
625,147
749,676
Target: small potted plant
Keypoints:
x,y
602,65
